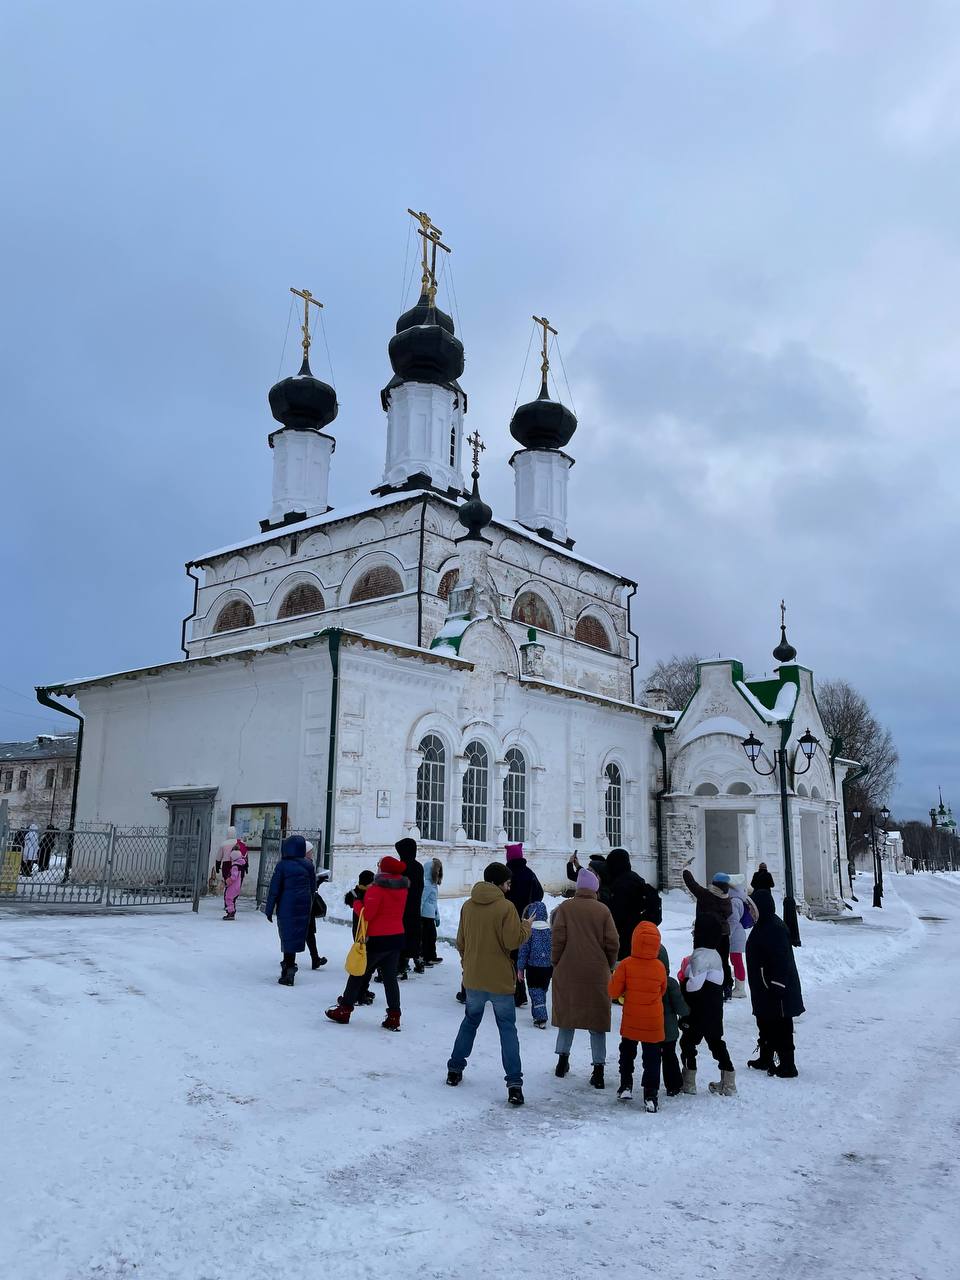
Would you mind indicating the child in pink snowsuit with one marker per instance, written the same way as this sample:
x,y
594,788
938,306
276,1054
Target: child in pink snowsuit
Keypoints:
x,y
233,862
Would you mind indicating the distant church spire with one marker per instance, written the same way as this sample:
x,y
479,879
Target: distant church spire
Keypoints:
x,y
784,652
423,401
303,405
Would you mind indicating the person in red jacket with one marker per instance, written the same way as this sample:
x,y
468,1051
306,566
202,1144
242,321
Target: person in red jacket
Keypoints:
x,y
642,980
383,906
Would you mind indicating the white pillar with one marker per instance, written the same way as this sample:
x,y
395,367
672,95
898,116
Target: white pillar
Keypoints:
x,y
424,435
540,479
301,472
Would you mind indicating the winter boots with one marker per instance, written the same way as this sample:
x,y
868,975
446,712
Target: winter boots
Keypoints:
x,y
515,1095
563,1065
367,997
318,961
340,1012
596,1078
419,966
739,989
230,915
392,1021
726,1086
650,1104
287,972
689,1080
764,1059
454,1078
625,1092
786,1068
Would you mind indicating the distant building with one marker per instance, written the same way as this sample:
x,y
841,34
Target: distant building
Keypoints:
x,y
36,780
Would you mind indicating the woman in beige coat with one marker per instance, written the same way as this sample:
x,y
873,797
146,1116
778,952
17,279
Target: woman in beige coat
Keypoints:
x,y
585,948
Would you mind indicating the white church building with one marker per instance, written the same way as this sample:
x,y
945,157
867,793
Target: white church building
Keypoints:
x,y
413,665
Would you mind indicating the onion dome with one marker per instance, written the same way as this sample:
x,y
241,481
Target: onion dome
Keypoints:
x,y
784,652
474,515
304,402
543,423
425,347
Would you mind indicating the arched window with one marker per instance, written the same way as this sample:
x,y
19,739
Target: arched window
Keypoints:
x,y
515,796
378,581
802,789
475,786
453,445
447,583
613,806
707,789
530,609
431,783
738,789
234,615
815,793
302,599
592,631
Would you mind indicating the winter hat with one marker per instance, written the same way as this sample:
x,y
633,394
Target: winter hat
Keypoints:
x,y
392,866
618,861
587,879
721,878
514,851
707,932
407,847
294,847
365,878
496,873
536,911
231,833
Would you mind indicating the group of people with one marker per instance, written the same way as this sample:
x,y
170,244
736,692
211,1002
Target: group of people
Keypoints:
x,y
36,848
599,949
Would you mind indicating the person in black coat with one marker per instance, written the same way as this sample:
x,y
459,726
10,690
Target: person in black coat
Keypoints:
x,y
630,899
762,879
774,989
292,887
597,863
412,946
524,888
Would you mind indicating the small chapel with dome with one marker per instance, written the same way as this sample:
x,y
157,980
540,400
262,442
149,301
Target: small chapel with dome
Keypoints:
x,y
415,664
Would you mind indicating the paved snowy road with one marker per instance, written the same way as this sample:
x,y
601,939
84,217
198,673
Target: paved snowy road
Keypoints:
x,y
167,1111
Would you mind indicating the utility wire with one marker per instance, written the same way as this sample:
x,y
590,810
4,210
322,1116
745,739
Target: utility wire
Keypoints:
x,y
565,378
323,330
285,337
516,398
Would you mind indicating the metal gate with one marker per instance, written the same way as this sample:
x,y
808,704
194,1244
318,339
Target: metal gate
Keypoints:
x,y
270,856
100,866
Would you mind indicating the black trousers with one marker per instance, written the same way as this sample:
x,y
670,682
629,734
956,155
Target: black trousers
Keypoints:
x,y
776,1036
705,1023
428,939
724,950
672,1075
412,943
382,954
650,1057
312,938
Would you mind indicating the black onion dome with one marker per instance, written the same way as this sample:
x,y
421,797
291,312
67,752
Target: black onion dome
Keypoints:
x,y
424,313
784,652
303,402
426,353
543,423
474,515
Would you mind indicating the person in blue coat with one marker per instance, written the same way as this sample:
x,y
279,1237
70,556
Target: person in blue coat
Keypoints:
x,y
292,887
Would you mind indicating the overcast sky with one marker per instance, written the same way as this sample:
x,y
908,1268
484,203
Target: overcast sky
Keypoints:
x,y
741,215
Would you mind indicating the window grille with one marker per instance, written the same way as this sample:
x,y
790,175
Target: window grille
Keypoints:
x,y
613,806
475,786
591,631
515,796
431,782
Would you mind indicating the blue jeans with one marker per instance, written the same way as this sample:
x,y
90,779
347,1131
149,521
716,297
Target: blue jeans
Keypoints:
x,y
598,1044
505,1012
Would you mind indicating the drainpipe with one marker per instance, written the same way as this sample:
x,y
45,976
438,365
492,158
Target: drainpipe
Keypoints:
x,y
423,521
196,595
334,636
43,697
636,646
660,737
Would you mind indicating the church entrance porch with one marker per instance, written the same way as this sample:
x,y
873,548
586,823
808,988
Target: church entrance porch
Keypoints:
x,y
726,841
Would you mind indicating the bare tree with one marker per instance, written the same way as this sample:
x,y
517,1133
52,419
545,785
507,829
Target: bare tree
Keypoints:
x,y
677,677
846,716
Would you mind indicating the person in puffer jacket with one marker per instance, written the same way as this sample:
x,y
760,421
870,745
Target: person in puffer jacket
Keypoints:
x,y
642,981
292,886
701,981
383,914
742,908
534,963
430,911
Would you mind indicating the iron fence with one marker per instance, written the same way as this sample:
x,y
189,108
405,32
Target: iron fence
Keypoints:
x,y
270,856
106,866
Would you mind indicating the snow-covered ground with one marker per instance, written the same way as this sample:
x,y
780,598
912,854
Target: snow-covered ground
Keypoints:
x,y
167,1111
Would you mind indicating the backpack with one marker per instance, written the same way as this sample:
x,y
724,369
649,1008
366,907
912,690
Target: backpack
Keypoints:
x,y
747,920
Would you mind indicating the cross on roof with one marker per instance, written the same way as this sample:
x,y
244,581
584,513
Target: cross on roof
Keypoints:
x,y
307,297
431,243
478,447
545,361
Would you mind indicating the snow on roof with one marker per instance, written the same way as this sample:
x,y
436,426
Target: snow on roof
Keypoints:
x,y
716,724
782,708
396,499
598,697
44,747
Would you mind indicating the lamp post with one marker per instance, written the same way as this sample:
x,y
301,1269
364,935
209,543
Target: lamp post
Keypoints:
x,y
808,745
877,858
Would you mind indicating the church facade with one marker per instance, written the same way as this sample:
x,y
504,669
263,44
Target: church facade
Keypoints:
x,y
414,666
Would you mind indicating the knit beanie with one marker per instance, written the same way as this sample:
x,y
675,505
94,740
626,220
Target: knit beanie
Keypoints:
x,y
586,879
407,847
365,878
514,851
496,873
721,878
294,847
392,866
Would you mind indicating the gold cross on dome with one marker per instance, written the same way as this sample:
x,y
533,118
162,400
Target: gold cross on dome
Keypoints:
x,y
307,297
783,614
545,361
478,447
431,243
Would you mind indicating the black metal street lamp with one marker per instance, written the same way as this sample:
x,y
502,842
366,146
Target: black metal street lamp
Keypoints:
x,y
877,857
808,745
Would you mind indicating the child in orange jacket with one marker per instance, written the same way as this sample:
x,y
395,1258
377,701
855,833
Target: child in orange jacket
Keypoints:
x,y
642,980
